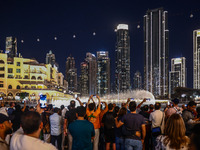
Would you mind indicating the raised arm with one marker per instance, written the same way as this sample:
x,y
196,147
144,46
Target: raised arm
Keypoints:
x,y
144,100
99,107
81,104
128,100
23,109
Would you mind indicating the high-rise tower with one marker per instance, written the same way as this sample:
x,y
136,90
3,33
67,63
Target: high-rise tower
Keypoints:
x,y
156,49
196,59
122,59
177,75
71,74
50,58
103,73
137,81
11,47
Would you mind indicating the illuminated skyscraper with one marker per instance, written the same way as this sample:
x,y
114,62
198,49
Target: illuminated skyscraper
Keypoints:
x,y
196,59
122,59
84,81
103,73
11,47
156,49
177,75
137,81
92,72
71,74
50,58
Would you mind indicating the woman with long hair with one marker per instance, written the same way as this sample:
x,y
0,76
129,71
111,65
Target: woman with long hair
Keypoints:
x,y
174,138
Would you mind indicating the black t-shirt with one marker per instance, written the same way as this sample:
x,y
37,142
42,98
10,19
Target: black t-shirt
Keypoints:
x,y
108,120
134,122
70,115
144,114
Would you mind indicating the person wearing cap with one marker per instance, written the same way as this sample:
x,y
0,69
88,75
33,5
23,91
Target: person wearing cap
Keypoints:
x,y
5,129
174,109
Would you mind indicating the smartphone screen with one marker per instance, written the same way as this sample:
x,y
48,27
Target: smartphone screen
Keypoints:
x,y
43,101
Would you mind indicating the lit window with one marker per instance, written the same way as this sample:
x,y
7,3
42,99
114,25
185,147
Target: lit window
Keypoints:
x,y
18,70
18,63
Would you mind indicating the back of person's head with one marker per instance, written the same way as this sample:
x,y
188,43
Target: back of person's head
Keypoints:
x,y
72,103
175,132
145,108
116,109
18,108
191,103
12,104
132,106
195,137
81,111
151,107
157,106
91,106
110,106
31,108
56,110
122,112
62,107
175,101
30,122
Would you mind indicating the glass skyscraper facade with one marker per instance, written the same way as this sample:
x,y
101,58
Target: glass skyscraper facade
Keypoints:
x,y
156,51
103,73
196,59
122,59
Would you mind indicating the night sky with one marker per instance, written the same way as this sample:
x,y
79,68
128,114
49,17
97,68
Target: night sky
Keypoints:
x,y
29,20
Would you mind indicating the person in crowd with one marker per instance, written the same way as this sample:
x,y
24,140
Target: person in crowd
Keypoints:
x,y
157,120
173,109
119,138
109,127
63,111
31,108
27,137
46,126
55,125
101,137
93,117
116,110
17,113
5,129
151,108
133,123
11,108
174,137
189,117
198,112
82,131
70,116
144,112
195,138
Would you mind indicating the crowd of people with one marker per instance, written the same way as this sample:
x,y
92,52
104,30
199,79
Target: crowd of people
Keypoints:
x,y
100,126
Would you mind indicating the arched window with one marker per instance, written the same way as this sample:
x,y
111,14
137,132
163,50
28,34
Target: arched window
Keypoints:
x,y
10,87
39,78
1,62
33,78
18,87
26,87
25,77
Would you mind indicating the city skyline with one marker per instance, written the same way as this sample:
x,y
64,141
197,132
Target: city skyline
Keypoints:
x,y
104,37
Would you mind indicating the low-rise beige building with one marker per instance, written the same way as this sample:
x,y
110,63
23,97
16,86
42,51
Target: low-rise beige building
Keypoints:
x,y
20,74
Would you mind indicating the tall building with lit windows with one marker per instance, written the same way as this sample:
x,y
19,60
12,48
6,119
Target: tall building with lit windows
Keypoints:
x,y
103,73
196,59
71,74
177,75
122,59
84,79
11,47
156,52
137,81
50,58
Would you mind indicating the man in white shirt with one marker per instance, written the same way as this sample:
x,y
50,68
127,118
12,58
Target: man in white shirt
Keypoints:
x,y
157,119
27,137
55,124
